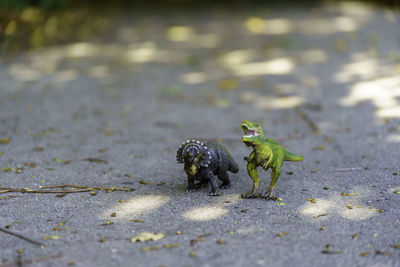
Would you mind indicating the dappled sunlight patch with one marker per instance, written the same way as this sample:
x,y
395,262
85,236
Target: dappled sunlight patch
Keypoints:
x,y
269,102
346,205
289,102
237,57
205,213
269,26
180,33
382,92
314,56
138,205
357,214
194,78
327,25
23,72
277,66
364,69
390,112
319,208
142,53
394,138
78,50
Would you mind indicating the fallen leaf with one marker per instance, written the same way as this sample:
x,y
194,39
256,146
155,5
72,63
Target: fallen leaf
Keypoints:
x,y
396,192
138,221
320,215
146,236
51,237
312,200
151,248
322,228
354,236
365,253
192,255
348,194
130,175
171,245
145,182
97,160
160,183
5,141
282,234
114,214
220,242
244,210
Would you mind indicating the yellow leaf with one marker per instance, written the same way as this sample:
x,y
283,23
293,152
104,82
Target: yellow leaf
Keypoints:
x,y
146,236
51,237
282,234
312,200
5,141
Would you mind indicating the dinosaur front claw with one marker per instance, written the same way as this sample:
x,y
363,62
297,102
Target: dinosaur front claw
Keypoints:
x,y
214,194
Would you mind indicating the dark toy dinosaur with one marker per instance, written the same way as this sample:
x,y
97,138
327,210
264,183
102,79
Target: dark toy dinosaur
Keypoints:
x,y
202,161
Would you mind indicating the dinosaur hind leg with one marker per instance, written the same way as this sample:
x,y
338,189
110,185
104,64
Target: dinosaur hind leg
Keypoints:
x,y
271,192
224,177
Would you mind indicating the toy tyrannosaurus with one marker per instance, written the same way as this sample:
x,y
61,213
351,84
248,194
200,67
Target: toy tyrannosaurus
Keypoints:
x,y
203,161
268,154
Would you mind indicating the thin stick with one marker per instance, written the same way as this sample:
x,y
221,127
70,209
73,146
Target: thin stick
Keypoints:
x,y
22,237
32,191
87,187
39,259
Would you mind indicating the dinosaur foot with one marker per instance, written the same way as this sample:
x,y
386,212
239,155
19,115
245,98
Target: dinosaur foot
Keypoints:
x,y
214,194
269,197
191,190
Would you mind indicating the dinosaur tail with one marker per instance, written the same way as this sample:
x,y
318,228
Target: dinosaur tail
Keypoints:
x,y
233,166
292,157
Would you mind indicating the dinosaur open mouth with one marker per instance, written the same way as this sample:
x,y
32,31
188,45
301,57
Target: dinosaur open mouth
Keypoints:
x,y
249,132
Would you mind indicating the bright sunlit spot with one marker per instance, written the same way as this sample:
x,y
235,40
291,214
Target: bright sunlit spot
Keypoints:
x,y
194,78
277,66
137,206
348,207
205,213
82,50
383,93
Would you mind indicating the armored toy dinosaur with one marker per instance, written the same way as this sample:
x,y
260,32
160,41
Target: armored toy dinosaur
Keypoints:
x,y
268,154
204,160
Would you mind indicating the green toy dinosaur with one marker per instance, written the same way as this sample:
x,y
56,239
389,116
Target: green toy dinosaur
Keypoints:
x,y
268,154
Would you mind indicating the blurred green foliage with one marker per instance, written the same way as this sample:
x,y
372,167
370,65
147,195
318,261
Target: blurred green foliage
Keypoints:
x,y
28,24
20,4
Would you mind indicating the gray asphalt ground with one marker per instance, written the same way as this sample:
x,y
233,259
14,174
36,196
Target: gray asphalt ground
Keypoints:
x,y
323,80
